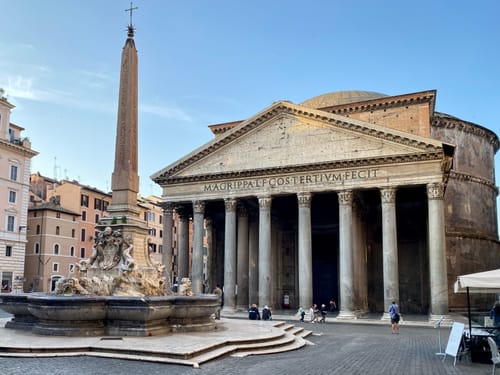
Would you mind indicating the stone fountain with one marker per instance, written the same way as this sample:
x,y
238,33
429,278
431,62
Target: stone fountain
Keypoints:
x,y
112,297
120,292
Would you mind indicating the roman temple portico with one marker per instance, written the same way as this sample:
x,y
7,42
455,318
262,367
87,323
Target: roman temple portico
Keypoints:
x,y
313,205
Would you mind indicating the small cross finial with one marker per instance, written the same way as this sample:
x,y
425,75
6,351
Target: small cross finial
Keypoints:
x,y
130,10
130,26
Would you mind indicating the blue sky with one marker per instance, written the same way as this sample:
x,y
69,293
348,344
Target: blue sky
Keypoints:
x,y
205,62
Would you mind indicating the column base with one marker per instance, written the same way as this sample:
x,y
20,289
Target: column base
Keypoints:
x,y
346,315
385,316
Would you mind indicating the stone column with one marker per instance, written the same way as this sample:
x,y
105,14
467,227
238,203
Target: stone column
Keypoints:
x,y
242,259
437,249
346,255
183,243
359,255
265,264
167,243
305,251
389,248
253,260
197,274
211,282
230,255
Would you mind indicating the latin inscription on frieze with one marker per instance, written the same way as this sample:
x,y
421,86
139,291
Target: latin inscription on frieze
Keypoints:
x,y
320,178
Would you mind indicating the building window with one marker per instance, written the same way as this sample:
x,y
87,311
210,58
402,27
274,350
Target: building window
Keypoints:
x,y
161,219
84,200
161,233
97,204
82,252
72,233
10,223
37,248
38,229
72,251
8,251
160,249
12,197
58,230
55,267
84,215
58,215
13,172
105,205
97,218
56,249
82,237
71,268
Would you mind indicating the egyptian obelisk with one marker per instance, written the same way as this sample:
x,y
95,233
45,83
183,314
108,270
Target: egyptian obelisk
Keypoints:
x,y
124,212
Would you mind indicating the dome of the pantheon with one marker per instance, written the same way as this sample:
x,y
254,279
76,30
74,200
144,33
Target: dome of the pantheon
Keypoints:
x,y
341,97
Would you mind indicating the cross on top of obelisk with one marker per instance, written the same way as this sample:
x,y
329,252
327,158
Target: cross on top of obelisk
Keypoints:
x,y
131,26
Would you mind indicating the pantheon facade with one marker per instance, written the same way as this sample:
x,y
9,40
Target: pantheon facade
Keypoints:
x,y
354,196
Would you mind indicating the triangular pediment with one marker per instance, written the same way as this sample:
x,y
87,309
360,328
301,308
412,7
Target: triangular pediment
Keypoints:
x,y
286,136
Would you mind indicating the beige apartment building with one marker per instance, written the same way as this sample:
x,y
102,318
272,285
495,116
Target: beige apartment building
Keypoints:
x,y
51,252
15,164
89,202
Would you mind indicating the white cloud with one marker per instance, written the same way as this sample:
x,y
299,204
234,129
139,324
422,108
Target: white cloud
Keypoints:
x,y
165,112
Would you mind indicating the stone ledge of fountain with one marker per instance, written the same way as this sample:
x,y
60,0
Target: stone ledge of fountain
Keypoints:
x,y
109,315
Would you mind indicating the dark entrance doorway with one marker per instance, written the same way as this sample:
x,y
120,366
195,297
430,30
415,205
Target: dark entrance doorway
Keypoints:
x,y
325,243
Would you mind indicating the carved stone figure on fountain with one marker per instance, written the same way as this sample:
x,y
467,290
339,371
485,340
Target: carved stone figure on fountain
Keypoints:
x,y
110,250
70,287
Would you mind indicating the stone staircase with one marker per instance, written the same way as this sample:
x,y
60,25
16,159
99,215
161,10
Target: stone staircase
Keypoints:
x,y
279,337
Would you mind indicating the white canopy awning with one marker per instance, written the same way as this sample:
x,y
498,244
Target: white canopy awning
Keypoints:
x,y
481,282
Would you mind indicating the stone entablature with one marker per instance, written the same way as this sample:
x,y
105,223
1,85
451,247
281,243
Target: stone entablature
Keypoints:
x,y
311,181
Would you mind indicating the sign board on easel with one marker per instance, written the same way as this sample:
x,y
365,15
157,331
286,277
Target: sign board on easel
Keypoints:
x,y
456,334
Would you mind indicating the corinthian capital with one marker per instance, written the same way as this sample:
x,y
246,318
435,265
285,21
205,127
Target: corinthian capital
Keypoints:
x,y
265,202
199,207
230,204
345,196
388,195
304,199
435,190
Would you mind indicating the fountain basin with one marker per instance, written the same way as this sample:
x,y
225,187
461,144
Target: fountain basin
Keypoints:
x,y
109,316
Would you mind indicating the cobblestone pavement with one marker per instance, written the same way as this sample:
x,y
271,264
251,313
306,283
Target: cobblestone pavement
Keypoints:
x,y
338,348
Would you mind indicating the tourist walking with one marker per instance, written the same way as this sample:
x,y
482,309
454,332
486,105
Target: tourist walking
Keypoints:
x,y
395,317
301,313
323,313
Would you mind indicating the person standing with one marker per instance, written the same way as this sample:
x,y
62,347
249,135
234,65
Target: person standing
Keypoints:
x,y
218,293
495,314
395,317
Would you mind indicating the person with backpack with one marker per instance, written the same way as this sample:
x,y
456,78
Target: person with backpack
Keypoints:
x,y
395,317
266,313
253,313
